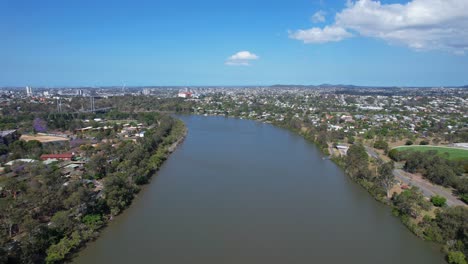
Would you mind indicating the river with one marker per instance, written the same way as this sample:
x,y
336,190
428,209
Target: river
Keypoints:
x,y
239,191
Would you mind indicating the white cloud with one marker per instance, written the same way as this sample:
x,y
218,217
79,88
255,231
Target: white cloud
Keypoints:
x,y
318,35
418,24
318,17
241,58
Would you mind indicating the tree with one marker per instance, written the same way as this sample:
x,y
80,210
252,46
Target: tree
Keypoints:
x,y
62,222
439,172
394,154
97,165
414,161
456,257
410,202
79,195
370,100
39,125
3,149
452,223
118,192
357,162
322,140
59,251
88,150
34,148
381,144
15,187
3,255
12,214
386,178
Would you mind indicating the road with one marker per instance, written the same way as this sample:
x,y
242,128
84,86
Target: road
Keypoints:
x,y
372,153
427,188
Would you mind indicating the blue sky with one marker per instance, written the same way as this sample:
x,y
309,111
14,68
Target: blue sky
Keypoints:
x,y
175,42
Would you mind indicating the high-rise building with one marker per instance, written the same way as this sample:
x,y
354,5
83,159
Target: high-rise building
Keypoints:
x,y
28,91
146,91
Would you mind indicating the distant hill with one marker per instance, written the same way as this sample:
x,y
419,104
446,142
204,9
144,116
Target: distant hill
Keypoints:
x,y
350,86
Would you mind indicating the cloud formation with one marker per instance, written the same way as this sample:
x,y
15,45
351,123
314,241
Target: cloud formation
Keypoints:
x,y
418,24
241,58
318,17
318,35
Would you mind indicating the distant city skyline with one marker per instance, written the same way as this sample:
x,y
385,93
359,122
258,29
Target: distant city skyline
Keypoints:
x,y
55,43
323,85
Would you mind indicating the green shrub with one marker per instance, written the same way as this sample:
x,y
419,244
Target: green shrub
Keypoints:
x,y
394,154
456,257
409,142
93,221
58,252
438,201
141,179
424,142
380,144
464,198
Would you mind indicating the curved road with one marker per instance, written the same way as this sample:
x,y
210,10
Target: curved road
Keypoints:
x,y
427,188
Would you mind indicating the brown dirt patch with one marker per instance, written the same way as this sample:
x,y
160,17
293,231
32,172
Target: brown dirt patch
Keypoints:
x,y
43,138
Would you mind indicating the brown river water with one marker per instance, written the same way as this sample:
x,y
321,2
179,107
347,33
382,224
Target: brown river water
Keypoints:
x,y
239,191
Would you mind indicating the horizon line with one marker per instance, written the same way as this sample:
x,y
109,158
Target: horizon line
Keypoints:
x,y
218,86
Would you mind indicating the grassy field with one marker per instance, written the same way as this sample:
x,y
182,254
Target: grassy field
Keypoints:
x,y
454,153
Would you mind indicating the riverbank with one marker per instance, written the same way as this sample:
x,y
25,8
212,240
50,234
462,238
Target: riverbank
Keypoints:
x,y
168,145
181,139
425,224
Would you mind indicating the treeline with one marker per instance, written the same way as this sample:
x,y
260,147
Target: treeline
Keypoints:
x,y
449,227
319,135
435,168
24,116
34,122
44,217
132,164
32,149
357,165
133,104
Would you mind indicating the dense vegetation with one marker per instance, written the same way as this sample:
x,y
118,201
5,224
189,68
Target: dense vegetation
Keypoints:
x,y
436,168
45,216
449,227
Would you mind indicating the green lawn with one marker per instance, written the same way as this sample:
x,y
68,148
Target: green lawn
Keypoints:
x,y
454,153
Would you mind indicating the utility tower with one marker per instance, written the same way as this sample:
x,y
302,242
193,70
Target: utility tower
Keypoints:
x,y
59,104
93,108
